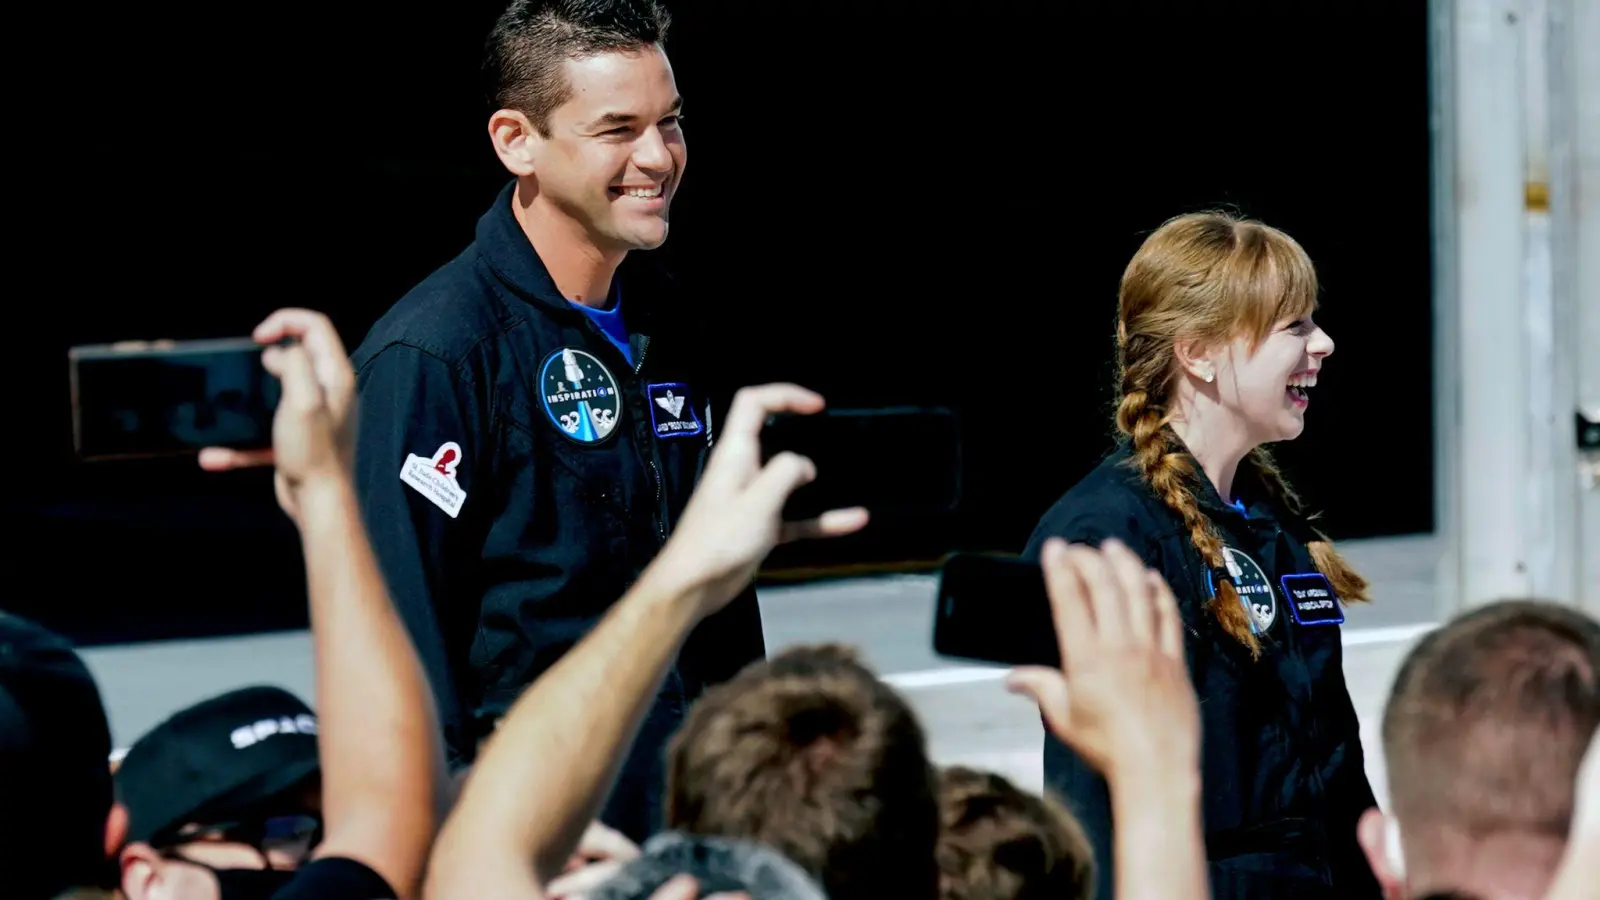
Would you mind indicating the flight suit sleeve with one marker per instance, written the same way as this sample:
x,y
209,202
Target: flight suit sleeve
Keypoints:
x,y
731,638
1348,790
728,640
418,448
1074,781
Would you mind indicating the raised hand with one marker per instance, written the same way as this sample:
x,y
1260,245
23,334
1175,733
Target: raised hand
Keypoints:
x,y
313,431
734,518
1122,699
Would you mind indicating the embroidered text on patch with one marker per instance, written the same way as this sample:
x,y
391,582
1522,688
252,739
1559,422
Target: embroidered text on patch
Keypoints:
x,y
579,395
249,735
1253,588
1311,599
671,412
435,478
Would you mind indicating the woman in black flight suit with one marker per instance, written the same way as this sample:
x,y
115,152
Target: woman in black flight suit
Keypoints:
x,y
1216,349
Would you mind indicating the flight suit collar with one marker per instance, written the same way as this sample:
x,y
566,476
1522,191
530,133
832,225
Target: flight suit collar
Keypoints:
x,y
507,251
646,289
1258,508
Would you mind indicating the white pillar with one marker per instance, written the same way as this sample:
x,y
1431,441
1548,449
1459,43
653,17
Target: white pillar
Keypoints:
x,y
1508,315
1575,207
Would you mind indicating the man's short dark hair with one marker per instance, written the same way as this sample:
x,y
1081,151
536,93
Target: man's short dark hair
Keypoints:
x,y
524,60
1489,718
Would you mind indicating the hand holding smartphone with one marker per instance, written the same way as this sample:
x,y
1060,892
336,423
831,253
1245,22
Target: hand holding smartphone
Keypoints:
x,y
142,399
894,459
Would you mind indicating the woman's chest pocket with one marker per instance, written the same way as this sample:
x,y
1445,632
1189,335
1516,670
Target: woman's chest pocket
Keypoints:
x,y
1317,615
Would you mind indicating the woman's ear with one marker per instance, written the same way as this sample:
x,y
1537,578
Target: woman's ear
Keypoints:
x,y
1196,359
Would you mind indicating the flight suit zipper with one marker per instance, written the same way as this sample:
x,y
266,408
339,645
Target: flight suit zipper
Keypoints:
x,y
1283,551
649,450
655,469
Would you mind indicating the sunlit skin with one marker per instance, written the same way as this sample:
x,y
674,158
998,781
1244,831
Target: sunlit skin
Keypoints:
x,y
601,183
1252,384
1248,400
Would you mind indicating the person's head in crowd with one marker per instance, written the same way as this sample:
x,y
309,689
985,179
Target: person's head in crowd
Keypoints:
x,y
223,798
724,867
999,842
55,778
1215,342
811,754
585,112
1485,727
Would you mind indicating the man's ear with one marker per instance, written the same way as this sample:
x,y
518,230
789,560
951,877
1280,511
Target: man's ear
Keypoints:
x,y
140,871
515,141
116,829
1379,837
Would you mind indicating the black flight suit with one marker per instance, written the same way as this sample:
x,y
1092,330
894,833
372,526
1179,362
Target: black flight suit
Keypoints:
x,y
1283,780
517,474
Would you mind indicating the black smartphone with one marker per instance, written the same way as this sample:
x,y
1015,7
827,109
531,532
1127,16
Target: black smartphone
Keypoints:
x,y
168,398
994,609
892,459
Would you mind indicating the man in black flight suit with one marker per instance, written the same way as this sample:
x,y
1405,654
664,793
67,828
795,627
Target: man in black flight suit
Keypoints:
x,y
532,418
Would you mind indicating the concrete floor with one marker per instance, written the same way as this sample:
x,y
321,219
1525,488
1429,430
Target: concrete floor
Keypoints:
x,y
969,716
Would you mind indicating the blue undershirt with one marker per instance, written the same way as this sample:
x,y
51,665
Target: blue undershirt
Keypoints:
x,y
611,324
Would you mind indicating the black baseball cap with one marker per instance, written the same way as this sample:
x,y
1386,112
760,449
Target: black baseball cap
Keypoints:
x,y
55,770
219,758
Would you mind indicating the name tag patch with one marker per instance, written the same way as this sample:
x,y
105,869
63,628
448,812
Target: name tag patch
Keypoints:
x,y
435,478
671,412
1312,600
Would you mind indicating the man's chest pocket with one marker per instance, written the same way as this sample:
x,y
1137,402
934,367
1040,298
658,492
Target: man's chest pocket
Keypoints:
x,y
680,428
678,413
569,481
579,426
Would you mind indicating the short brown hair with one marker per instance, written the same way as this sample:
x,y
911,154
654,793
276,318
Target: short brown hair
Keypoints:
x,y
999,842
526,53
1489,719
811,754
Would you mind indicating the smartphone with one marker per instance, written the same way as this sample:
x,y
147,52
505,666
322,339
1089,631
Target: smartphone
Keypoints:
x,y
169,398
994,609
892,459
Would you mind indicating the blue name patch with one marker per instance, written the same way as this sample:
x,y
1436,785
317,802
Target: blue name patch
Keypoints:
x,y
671,411
1311,599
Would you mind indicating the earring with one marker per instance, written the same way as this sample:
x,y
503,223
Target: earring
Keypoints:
x,y
1210,376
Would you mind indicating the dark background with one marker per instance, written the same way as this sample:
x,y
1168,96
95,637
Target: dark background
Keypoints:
x,y
889,202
